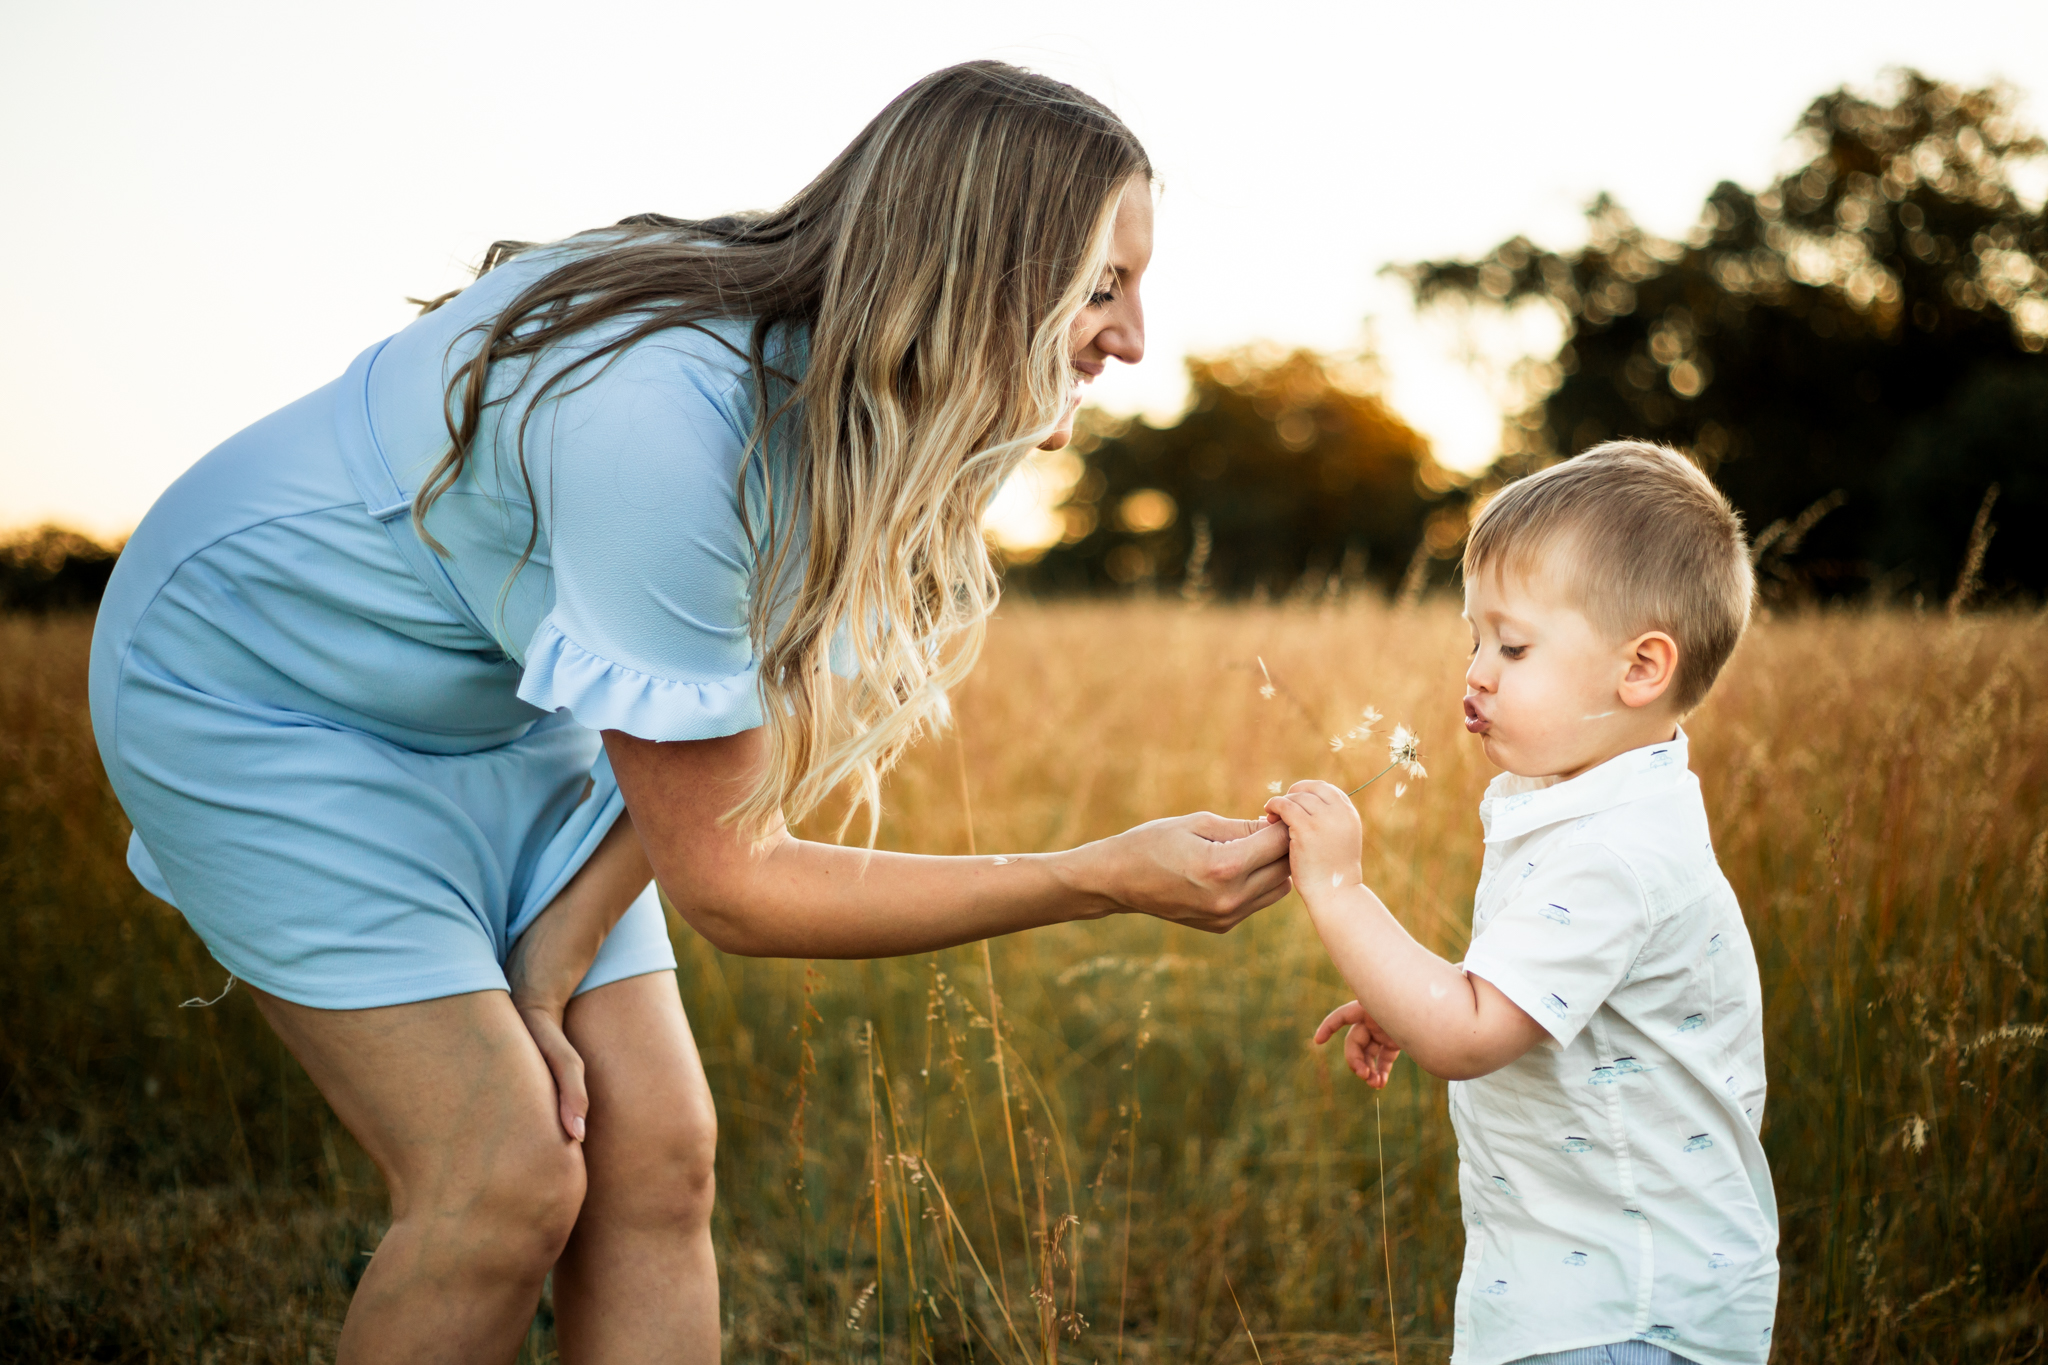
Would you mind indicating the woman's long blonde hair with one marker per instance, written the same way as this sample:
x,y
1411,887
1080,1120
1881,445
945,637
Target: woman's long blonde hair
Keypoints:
x,y
932,272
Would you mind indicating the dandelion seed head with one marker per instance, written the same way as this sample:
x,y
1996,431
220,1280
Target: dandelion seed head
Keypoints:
x,y
1404,745
1416,771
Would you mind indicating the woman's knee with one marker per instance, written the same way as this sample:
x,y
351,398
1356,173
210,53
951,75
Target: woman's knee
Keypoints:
x,y
513,1203
658,1167
536,1196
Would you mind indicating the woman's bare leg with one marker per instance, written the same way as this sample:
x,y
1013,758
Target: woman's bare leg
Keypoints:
x,y
451,1099
638,1283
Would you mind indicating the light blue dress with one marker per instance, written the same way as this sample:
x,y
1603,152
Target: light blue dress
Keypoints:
x,y
359,769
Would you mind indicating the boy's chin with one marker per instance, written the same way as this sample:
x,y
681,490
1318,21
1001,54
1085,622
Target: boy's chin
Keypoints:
x,y
1505,757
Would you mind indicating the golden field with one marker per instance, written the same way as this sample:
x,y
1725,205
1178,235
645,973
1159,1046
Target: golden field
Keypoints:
x,y
1130,1150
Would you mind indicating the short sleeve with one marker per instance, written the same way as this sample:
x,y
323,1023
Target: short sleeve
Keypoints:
x,y
651,566
1566,939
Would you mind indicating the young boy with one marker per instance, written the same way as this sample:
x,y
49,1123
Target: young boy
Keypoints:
x,y
1604,1034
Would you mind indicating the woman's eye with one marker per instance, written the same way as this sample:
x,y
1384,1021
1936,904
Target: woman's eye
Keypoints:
x,y
1513,651
1101,298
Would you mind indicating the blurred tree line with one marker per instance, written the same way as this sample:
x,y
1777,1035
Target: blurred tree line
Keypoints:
x,y
1288,473
1856,352
48,568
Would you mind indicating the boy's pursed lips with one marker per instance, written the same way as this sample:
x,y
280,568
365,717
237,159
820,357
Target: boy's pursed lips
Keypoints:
x,y
1474,722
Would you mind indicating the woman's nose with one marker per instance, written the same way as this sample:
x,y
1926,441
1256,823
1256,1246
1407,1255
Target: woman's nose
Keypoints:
x,y
1123,336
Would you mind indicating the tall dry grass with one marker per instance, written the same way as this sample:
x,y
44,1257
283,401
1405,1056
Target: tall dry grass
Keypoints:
x,y
1122,1146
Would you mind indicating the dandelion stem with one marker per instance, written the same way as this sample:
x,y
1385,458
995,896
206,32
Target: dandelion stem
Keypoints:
x,y
1374,778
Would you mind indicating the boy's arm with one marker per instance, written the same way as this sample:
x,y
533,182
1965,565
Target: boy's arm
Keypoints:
x,y
1454,1025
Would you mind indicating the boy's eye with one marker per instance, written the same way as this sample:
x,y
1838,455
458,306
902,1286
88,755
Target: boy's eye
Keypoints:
x,y
1513,651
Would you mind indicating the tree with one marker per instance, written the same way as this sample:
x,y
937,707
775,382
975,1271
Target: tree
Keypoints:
x,y
1286,471
48,568
1873,323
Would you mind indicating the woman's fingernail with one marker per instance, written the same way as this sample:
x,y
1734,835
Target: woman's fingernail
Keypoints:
x,y
577,1124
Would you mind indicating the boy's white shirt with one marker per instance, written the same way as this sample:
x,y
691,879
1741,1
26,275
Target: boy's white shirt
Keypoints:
x,y
1613,1183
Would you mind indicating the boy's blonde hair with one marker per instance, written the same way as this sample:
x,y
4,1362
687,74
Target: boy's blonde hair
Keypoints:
x,y
1643,540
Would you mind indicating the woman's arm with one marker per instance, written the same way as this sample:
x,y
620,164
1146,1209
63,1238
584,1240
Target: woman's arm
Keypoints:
x,y
549,961
782,896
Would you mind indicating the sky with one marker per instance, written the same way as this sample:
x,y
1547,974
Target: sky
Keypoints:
x,y
209,208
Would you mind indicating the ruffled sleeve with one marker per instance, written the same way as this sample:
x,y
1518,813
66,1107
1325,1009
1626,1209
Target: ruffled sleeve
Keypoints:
x,y
651,567
561,674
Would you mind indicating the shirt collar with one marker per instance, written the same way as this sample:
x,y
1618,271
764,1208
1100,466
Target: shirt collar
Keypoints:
x,y
1515,806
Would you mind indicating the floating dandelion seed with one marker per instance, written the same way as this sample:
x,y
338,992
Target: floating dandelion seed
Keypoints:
x,y
1336,744
1400,790
1274,787
1363,730
1266,689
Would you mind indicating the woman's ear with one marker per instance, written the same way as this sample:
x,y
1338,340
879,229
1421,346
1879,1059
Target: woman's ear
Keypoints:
x,y
1652,668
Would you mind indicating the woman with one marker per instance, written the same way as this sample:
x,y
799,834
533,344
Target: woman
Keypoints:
x,y
678,520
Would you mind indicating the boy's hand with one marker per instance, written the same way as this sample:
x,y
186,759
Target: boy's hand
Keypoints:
x,y
1368,1051
1323,835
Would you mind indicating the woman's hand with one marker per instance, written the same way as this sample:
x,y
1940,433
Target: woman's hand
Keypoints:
x,y
542,978
1202,871
1368,1051
549,961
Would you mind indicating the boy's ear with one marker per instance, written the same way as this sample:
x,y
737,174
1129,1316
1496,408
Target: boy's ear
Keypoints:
x,y
1652,668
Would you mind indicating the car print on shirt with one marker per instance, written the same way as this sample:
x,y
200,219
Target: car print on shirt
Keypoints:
x,y
1715,945
1573,1146
1629,1066
1718,1262
1660,758
1604,1075
1557,914
1692,1022
1658,1332
1698,1142
1497,1288
1575,1258
1555,1005
1637,1214
1506,1189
